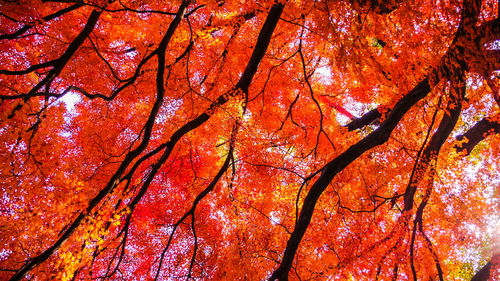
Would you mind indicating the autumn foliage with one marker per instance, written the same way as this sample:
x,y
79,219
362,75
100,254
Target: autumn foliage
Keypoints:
x,y
249,140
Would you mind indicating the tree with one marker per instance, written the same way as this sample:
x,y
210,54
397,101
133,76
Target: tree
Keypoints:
x,y
235,140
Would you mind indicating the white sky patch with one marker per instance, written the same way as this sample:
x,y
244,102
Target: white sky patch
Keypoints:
x,y
355,108
342,119
495,45
325,73
4,254
274,216
71,99
168,110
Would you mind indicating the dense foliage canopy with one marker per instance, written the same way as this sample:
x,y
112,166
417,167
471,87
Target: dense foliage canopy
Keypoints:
x,y
249,140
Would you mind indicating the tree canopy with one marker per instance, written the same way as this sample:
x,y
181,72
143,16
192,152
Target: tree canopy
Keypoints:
x,y
249,140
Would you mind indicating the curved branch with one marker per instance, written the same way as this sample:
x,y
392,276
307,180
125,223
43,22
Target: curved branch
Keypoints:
x,y
365,120
200,196
29,69
431,151
483,274
481,130
59,63
377,137
242,86
33,262
487,32
470,12
27,27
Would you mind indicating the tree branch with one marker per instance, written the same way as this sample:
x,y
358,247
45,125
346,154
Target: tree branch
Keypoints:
x,y
484,273
481,130
242,86
470,12
26,27
33,262
365,120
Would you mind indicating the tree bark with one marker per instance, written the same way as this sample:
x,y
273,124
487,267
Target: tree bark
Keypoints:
x,y
481,130
450,61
